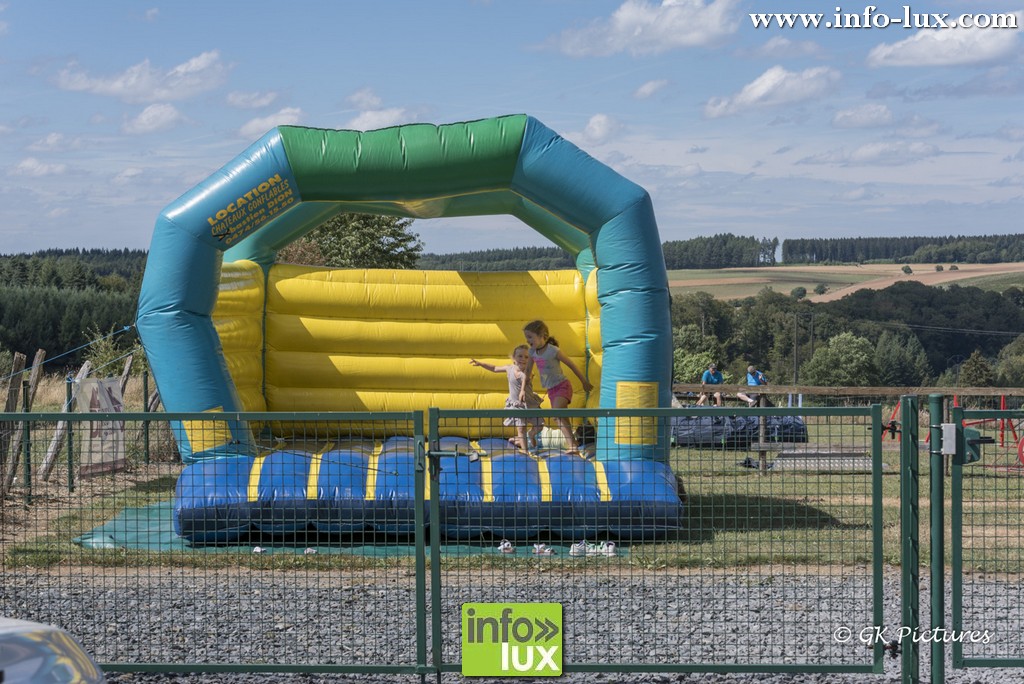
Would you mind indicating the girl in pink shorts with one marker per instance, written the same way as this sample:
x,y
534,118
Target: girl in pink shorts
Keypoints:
x,y
548,358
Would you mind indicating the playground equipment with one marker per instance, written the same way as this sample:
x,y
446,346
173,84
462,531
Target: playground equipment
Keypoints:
x,y
227,329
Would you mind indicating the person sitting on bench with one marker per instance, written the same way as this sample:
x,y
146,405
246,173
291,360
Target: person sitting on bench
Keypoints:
x,y
711,376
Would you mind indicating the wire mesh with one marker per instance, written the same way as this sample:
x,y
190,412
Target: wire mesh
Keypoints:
x,y
772,553
991,538
284,574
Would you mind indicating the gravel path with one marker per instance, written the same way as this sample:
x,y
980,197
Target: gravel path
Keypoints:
x,y
667,617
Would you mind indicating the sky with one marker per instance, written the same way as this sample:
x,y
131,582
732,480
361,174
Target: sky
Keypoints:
x,y
880,121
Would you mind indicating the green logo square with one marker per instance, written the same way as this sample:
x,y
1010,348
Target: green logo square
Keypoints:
x,y
512,639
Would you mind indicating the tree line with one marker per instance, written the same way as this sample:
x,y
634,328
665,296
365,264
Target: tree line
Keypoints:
x,y
114,270
908,334
56,299
984,249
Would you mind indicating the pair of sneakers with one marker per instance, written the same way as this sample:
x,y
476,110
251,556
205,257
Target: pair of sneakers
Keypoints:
x,y
506,546
585,548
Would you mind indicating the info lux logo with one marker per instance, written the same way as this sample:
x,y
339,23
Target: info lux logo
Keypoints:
x,y
512,639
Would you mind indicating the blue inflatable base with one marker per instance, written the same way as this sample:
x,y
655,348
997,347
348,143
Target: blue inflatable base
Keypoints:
x,y
503,493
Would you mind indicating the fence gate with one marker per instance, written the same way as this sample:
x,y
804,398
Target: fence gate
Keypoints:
x,y
987,523
777,567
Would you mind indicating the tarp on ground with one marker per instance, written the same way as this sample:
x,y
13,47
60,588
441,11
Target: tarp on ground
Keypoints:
x,y
735,432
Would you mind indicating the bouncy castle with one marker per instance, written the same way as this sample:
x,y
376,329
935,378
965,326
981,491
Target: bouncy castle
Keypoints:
x,y
229,329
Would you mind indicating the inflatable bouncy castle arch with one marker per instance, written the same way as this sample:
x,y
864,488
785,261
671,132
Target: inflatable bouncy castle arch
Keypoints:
x,y
226,329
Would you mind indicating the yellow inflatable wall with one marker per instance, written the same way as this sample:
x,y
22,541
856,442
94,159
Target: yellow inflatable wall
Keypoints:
x,y
386,340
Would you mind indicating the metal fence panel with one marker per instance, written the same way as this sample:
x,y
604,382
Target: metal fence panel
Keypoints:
x,y
777,565
987,523
92,548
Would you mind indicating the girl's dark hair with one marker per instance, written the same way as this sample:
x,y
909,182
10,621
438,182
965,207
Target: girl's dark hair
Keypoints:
x,y
540,328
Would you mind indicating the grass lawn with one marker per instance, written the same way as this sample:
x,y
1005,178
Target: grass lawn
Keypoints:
x,y
736,516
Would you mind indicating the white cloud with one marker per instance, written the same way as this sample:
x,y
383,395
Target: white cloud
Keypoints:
x,y
780,47
859,194
378,118
53,142
864,116
599,128
890,153
640,27
251,100
776,86
142,82
254,128
1016,181
126,176
365,99
57,212
948,47
1018,157
151,14
30,166
649,88
155,117
1010,132
918,127
372,115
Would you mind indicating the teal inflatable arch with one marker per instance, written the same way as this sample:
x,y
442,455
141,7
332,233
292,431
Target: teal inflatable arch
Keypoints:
x,y
293,179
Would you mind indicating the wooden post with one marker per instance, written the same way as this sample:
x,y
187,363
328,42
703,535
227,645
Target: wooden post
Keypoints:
x,y
58,436
7,429
762,455
16,437
126,373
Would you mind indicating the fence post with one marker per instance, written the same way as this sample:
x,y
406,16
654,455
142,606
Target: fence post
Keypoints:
x,y
26,443
910,552
936,410
434,472
69,387
145,423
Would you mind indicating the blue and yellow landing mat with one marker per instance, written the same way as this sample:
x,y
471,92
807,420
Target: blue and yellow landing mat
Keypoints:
x,y
151,528
492,491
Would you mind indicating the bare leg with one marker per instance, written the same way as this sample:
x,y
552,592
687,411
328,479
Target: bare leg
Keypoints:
x,y
565,426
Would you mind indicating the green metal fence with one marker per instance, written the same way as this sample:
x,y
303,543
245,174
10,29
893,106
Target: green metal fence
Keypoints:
x,y
987,523
777,565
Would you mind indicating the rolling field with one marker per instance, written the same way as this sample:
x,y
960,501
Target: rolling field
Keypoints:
x,y
737,283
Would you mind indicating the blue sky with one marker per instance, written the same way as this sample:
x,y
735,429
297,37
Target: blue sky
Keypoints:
x,y
110,110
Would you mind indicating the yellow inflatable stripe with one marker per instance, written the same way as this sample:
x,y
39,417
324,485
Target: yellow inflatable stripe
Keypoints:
x,y
426,486
486,480
312,483
371,475
254,478
602,481
545,480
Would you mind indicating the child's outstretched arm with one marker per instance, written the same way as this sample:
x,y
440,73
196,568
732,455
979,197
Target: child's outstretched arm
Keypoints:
x,y
487,366
587,387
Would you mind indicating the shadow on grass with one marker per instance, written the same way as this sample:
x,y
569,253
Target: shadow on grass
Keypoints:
x,y
711,514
